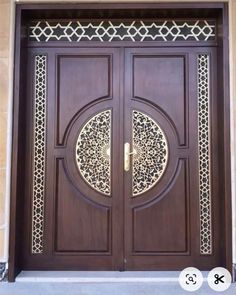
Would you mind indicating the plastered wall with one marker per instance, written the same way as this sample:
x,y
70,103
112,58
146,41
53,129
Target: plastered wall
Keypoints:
x,y
7,8
5,64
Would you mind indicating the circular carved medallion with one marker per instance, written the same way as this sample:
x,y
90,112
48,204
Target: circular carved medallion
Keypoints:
x,y
150,158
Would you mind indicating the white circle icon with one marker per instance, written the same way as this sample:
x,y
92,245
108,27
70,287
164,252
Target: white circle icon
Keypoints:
x,y
219,279
190,279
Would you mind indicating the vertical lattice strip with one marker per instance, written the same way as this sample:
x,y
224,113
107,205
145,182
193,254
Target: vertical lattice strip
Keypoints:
x,y
39,153
204,154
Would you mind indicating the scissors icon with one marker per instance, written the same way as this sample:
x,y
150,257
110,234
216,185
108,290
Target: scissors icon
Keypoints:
x,y
218,279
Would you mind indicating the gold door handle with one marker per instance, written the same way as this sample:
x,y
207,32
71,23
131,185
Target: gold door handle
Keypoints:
x,y
127,155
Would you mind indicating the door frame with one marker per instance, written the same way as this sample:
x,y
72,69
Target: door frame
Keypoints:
x,y
24,12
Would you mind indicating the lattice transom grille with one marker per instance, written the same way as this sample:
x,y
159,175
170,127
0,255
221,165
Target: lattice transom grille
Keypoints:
x,y
39,153
139,30
150,159
93,152
204,155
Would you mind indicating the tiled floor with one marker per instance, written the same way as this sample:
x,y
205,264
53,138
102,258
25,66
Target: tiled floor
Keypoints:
x,y
20,288
102,283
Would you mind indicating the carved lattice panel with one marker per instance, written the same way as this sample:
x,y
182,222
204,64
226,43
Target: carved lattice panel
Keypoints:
x,y
151,153
138,30
204,155
93,152
39,153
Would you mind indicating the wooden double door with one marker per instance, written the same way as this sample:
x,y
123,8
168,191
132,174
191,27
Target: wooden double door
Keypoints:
x,y
123,174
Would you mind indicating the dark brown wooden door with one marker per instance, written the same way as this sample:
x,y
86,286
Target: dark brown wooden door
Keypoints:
x,y
96,214
164,228
83,210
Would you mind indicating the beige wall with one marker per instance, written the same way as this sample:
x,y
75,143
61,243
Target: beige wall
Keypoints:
x,y
6,65
5,24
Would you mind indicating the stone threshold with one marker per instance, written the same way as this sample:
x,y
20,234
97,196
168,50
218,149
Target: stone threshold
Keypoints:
x,y
101,276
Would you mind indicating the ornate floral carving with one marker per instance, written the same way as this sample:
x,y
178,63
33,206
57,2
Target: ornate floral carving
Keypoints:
x,y
93,152
150,159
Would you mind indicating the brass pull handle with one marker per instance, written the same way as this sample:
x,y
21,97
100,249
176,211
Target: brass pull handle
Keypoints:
x,y
127,155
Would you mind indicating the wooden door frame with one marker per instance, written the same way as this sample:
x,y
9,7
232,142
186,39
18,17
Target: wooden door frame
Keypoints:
x,y
24,12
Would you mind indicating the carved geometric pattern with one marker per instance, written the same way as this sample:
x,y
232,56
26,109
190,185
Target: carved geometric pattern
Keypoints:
x,y
39,153
151,153
93,152
138,30
204,155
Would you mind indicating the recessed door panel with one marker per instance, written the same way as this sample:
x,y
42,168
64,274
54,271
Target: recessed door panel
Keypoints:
x,y
79,85
165,229
76,217
160,80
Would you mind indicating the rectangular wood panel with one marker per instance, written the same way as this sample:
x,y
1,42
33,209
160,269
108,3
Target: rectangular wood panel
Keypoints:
x,y
79,84
161,80
166,226
81,225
